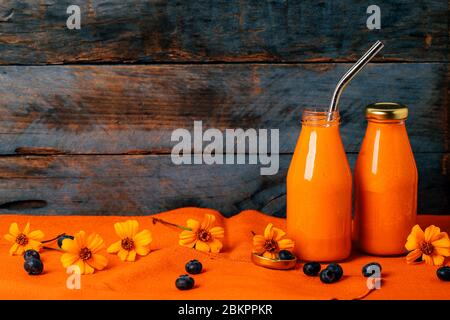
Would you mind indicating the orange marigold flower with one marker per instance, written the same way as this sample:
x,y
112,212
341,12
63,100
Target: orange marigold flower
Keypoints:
x,y
271,242
203,236
131,241
82,251
23,240
432,245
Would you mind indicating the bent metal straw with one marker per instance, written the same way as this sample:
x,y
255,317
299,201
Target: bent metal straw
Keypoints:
x,y
348,76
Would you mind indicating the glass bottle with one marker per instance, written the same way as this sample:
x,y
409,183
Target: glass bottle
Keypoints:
x,y
385,182
319,190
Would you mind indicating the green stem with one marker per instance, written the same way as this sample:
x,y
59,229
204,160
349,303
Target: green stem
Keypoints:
x,y
155,220
56,238
50,248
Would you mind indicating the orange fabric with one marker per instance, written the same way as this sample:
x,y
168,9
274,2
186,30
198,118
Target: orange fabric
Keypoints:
x,y
231,275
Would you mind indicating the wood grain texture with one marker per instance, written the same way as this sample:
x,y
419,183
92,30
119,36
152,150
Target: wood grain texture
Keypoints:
x,y
147,184
134,109
34,32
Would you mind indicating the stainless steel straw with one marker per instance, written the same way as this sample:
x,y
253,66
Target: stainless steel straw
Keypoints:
x,y
372,52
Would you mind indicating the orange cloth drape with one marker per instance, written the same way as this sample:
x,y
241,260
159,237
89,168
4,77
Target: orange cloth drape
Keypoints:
x,y
230,275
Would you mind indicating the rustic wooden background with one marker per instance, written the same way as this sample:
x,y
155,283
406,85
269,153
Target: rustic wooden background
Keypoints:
x,y
86,115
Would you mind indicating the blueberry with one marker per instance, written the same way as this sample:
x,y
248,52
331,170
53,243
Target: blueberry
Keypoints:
x,y
328,276
443,273
193,267
369,269
33,266
61,239
337,270
184,282
285,255
31,254
311,269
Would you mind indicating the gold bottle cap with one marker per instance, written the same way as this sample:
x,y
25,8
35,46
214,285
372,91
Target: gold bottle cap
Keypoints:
x,y
386,111
273,263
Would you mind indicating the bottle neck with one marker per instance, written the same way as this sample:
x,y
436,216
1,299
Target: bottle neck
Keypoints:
x,y
320,118
400,122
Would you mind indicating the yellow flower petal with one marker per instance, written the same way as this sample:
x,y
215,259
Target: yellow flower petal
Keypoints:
x,y
442,251
20,250
413,256
438,260
133,227
26,230
187,237
80,263
120,230
258,250
217,232
442,242
194,225
415,238
142,250
131,256
269,255
98,261
215,246
68,259
190,243
33,244
88,269
427,259
143,238
115,247
13,249
10,238
202,246
268,232
285,244
14,229
208,221
122,254
258,240
36,235
80,239
431,233
94,242
278,234
70,245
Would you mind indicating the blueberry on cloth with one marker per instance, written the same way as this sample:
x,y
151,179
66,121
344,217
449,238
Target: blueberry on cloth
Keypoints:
x,y
193,267
337,270
311,269
328,276
33,266
184,282
443,273
31,254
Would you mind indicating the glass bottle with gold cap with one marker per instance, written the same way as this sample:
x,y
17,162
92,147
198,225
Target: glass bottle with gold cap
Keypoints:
x,y
385,182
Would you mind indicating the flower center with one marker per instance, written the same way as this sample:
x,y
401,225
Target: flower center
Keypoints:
x,y
128,244
204,235
427,248
271,246
22,239
85,254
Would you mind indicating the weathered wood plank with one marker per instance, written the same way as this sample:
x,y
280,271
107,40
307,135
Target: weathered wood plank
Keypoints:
x,y
34,32
134,109
147,184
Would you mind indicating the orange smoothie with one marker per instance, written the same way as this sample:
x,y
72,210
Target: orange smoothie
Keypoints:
x,y
385,182
319,191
